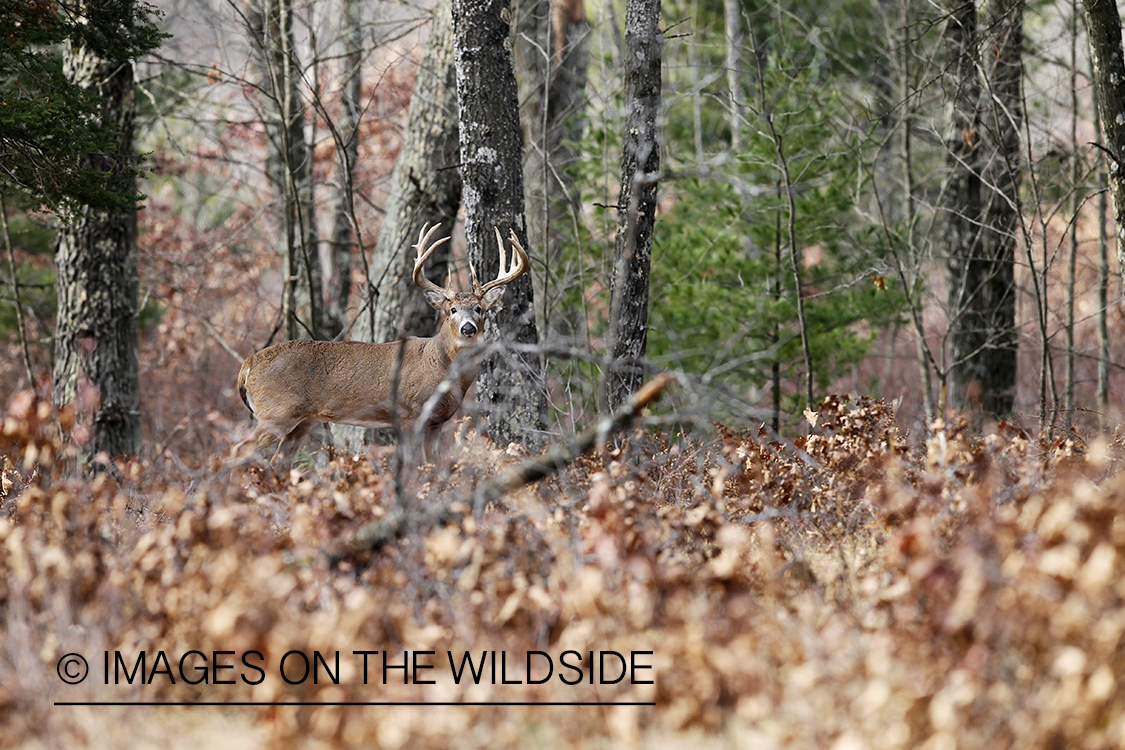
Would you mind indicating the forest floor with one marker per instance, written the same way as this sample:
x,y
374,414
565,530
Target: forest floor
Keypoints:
x,y
848,589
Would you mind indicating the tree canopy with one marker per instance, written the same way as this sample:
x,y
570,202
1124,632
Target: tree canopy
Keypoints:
x,y
46,121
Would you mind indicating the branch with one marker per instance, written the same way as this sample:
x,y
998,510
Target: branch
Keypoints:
x,y
399,522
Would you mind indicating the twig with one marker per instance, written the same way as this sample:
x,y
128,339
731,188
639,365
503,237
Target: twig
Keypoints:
x,y
399,522
20,326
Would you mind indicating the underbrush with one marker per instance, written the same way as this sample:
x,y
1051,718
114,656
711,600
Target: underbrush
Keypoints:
x,y
846,590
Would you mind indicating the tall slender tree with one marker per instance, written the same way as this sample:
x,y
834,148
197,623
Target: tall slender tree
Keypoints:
x,y
552,55
289,164
341,250
636,205
1003,122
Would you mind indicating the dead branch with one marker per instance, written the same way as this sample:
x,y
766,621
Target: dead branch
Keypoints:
x,y
400,522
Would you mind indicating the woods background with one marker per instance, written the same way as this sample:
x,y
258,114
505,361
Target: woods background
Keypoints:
x,y
873,243
854,149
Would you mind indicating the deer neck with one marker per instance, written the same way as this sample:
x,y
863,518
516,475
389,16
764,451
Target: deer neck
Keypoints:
x,y
446,347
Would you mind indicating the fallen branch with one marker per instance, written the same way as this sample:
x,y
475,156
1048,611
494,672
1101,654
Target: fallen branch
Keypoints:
x,y
399,521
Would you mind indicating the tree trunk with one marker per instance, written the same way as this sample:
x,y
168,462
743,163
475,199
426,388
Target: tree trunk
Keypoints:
x,y
732,16
289,166
981,223
963,207
1074,208
1004,119
343,236
510,385
425,189
95,366
552,56
1103,275
1103,24
636,205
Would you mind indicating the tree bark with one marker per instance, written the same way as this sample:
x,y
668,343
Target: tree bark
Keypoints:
x,y
963,205
732,16
1103,25
552,56
1074,208
343,236
636,205
982,216
510,384
289,166
95,367
1004,169
1103,271
425,189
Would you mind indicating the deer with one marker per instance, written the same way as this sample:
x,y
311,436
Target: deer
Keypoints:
x,y
295,385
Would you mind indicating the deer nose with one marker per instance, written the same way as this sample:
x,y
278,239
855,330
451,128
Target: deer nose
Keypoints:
x,y
469,329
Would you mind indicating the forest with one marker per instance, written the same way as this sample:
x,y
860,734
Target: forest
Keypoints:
x,y
787,413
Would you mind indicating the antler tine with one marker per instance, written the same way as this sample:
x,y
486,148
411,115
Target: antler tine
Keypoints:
x,y
424,254
519,266
473,275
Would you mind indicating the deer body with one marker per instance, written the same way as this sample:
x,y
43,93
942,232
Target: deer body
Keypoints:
x,y
292,386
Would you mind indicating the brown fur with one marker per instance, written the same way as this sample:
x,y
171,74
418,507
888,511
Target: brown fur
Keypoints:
x,y
292,386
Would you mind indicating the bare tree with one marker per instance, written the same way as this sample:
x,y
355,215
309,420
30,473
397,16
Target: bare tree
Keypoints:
x,y
552,56
636,206
347,124
289,164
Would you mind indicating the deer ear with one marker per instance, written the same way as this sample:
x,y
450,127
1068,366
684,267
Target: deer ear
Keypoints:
x,y
492,297
435,298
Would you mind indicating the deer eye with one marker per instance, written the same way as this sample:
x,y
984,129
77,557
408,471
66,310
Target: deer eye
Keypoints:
x,y
476,309
453,311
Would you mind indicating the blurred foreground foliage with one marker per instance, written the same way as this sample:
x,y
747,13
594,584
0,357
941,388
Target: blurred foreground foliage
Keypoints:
x,y
845,590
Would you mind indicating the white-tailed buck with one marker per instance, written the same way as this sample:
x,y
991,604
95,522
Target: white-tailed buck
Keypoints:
x,y
292,386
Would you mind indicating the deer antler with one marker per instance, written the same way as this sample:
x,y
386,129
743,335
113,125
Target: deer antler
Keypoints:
x,y
507,274
424,254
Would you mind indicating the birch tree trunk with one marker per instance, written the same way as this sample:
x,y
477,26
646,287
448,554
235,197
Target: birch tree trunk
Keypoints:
x,y
636,205
95,367
732,16
510,384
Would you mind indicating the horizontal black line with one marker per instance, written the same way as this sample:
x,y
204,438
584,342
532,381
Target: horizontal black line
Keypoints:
x,y
354,703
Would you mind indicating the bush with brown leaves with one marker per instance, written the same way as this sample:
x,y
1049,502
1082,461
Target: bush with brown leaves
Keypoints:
x,y
842,590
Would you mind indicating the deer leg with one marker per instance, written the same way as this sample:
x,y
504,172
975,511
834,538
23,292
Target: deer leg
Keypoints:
x,y
283,438
431,437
